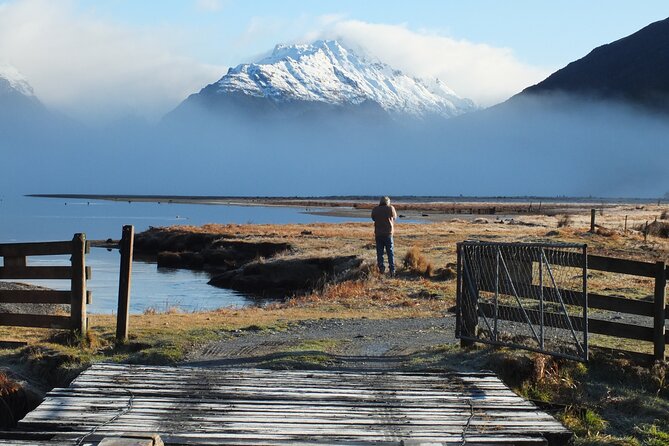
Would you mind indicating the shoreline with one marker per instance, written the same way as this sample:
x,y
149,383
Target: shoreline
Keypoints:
x,y
414,209
337,200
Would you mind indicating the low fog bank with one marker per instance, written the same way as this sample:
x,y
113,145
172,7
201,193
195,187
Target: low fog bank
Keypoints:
x,y
542,146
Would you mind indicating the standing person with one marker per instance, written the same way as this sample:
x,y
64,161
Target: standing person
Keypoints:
x,y
384,216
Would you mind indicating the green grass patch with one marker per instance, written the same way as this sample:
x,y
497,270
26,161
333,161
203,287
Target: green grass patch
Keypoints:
x,y
298,361
319,345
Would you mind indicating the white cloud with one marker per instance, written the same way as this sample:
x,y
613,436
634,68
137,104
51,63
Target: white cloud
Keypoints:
x,y
210,5
479,71
94,69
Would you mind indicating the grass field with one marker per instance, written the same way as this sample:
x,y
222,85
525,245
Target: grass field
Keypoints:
x,y
610,401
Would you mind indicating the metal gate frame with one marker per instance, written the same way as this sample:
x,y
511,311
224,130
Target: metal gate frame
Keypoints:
x,y
468,288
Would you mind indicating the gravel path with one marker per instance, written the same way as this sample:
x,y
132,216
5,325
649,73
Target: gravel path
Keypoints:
x,y
361,344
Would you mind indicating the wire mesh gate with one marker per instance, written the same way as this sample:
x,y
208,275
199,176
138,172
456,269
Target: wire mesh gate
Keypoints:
x,y
524,295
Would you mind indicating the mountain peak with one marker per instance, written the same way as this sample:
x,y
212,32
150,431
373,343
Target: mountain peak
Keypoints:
x,y
11,80
297,51
326,71
633,69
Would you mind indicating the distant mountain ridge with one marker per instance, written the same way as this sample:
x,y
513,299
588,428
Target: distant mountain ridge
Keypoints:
x,y
16,94
13,82
327,74
633,69
22,115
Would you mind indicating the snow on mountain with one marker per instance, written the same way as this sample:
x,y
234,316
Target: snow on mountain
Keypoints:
x,y
326,72
11,80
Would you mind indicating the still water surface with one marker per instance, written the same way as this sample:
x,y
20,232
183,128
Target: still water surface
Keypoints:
x,y
26,219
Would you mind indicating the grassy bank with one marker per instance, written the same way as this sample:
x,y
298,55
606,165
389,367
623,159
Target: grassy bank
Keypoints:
x,y
609,401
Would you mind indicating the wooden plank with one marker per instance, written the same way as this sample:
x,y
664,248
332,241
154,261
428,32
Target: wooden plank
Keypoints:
x,y
199,406
36,272
659,316
622,266
616,329
15,261
34,297
35,249
35,320
619,304
620,330
154,406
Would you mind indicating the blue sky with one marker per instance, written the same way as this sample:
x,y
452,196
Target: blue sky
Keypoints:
x,y
143,57
540,32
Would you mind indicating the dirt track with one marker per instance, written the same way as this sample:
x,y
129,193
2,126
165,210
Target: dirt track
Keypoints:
x,y
361,344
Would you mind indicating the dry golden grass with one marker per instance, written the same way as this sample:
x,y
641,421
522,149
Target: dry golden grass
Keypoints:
x,y
436,242
380,297
7,386
417,262
564,221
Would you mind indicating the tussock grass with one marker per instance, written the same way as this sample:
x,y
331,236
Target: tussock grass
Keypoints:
x,y
418,263
565,221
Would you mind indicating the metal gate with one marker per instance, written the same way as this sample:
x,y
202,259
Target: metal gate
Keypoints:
x,y
524,295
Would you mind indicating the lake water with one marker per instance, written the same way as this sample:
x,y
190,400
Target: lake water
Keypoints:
x,y
26,219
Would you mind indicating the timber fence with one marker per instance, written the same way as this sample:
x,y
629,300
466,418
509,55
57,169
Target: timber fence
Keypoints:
x,y
599,322
15,267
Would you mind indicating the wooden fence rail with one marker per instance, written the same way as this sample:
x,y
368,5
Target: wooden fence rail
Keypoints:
x,y
656,309
15,267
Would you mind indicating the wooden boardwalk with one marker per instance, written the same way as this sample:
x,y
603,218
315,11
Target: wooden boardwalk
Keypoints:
x,y
225,406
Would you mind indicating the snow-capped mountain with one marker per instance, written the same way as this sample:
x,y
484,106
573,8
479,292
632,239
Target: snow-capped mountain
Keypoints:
x,y
17,98
13,82
325,72
21,112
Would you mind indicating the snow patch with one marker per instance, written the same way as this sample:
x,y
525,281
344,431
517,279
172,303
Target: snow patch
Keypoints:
x,y
16,80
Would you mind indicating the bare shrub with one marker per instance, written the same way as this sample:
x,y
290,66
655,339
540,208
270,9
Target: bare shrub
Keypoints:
x,y
656,228
565,221
447,273
606,232
416,262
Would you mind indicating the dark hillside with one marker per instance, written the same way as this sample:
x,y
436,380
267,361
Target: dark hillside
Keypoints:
x,y
633,69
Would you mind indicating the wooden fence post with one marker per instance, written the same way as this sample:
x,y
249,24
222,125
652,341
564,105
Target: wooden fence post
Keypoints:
x,y
659,311
625,224
126,248
78,302
592,220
